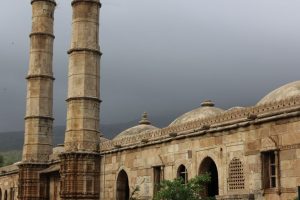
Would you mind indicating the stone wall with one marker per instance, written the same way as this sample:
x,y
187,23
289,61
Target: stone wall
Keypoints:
x,y
9,183
237,154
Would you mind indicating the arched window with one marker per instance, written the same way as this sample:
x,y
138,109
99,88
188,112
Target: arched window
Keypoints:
x,y
182,173
122,186
236,180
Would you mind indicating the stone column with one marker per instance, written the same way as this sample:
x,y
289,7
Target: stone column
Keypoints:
x,y
277,171
80,166
39,101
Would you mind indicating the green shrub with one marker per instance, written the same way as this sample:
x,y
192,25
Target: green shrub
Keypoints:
x,y
10,157
177,190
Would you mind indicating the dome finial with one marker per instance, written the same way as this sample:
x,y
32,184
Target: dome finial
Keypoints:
x,y
144,119
207,103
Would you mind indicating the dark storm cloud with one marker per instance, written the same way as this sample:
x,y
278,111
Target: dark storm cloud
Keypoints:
x,y
162,56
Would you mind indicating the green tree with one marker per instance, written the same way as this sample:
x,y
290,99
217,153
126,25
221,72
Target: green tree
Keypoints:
x,y
177,190
1,160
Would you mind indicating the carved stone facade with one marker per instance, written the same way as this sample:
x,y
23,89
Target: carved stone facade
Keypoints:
x,y
233,141
251,153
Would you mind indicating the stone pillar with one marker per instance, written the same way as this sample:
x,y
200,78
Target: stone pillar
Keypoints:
x,y
39,101
80,166
277,171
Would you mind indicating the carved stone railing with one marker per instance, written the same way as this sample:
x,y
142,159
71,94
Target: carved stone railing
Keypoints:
x,y
227,117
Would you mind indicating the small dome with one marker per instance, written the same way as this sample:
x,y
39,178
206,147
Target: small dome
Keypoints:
x,y
144,125
56,151
234,108
286,91
207,109
103,139
59,149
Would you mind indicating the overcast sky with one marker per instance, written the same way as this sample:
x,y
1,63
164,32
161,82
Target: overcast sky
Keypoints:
x,y
161,56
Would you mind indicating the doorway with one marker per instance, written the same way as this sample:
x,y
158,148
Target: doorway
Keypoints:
x,y
122,186
208,165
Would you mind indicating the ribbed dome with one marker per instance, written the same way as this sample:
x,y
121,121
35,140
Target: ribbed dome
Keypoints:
x,y
144,125
207,109
286,91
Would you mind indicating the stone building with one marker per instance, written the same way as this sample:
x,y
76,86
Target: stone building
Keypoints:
x,y
250,152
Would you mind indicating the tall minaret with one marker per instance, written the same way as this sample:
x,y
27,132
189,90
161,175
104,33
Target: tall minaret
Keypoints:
x,y
80,163
39,118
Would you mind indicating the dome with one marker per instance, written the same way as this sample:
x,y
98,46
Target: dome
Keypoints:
x,y
144,125
59,149
56,151
286,91
103,139
234,108
207,109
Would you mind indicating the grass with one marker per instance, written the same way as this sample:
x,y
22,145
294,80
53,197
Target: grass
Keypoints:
x,y
11,157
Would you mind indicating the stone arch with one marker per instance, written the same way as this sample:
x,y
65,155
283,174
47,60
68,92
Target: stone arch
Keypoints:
x,y
182,173
208,165
178,163
127,170
5,195
122,187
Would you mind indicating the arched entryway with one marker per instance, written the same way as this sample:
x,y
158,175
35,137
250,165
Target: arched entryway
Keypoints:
x,y
208,165
122,186
182,173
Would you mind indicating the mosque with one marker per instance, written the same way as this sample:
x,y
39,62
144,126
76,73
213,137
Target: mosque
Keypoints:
x,y
250,152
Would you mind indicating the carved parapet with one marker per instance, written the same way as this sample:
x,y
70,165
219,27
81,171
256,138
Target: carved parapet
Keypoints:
x,y
227,120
